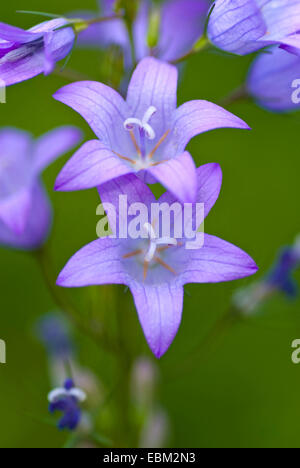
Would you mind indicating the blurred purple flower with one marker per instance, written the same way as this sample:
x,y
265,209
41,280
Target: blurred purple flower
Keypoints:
x,y
145,135
281,275
25,212
156,269
182,23
274,81
244,26
278,279
26,54
54,334
67,400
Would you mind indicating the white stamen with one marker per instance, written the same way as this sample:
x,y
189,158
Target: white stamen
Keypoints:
x,y
143,124
154,242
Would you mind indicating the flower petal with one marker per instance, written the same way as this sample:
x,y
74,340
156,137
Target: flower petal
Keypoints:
x,y
195,117
135,190
291,44
179,176
209,182
159,309
96,263
21,69
102,107
14,34
217,261
37,226
271,78
154,83
237,26
187,18
15,143
57,45
14,210
54,144
92,165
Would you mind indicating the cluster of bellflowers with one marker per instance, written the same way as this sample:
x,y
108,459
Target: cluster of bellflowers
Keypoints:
x,y
270,29
141,138
279,279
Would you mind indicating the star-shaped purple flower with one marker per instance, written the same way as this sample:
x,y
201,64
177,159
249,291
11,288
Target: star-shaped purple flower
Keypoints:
x,y
274,81
186,17
67,400
26,54
144,135
25,212
244,26
156,268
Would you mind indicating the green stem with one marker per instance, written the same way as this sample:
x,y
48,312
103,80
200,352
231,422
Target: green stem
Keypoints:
x,y
44,261
238,94
70,75
103,19
124,365
131,40
200,46
205,348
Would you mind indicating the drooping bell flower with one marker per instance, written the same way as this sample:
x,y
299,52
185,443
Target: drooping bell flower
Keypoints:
x,y
154,266
245,26
274,81
179,24
25,211
26,54
146,134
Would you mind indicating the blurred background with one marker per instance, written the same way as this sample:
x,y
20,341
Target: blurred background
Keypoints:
x,y
245,391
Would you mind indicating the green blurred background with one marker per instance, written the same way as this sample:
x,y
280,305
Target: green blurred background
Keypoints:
x,y
245,393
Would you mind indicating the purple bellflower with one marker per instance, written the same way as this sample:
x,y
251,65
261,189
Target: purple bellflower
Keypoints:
x,y
245,26
25,212
182,22
67,400
144,135
274,81
156,268
26,54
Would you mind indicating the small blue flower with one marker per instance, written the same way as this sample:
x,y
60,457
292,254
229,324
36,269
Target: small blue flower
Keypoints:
x,y
280,276
278,279
67,401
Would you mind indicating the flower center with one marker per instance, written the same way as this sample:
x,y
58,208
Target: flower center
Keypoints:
x,y
155,242
156,246
145,129
144,132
